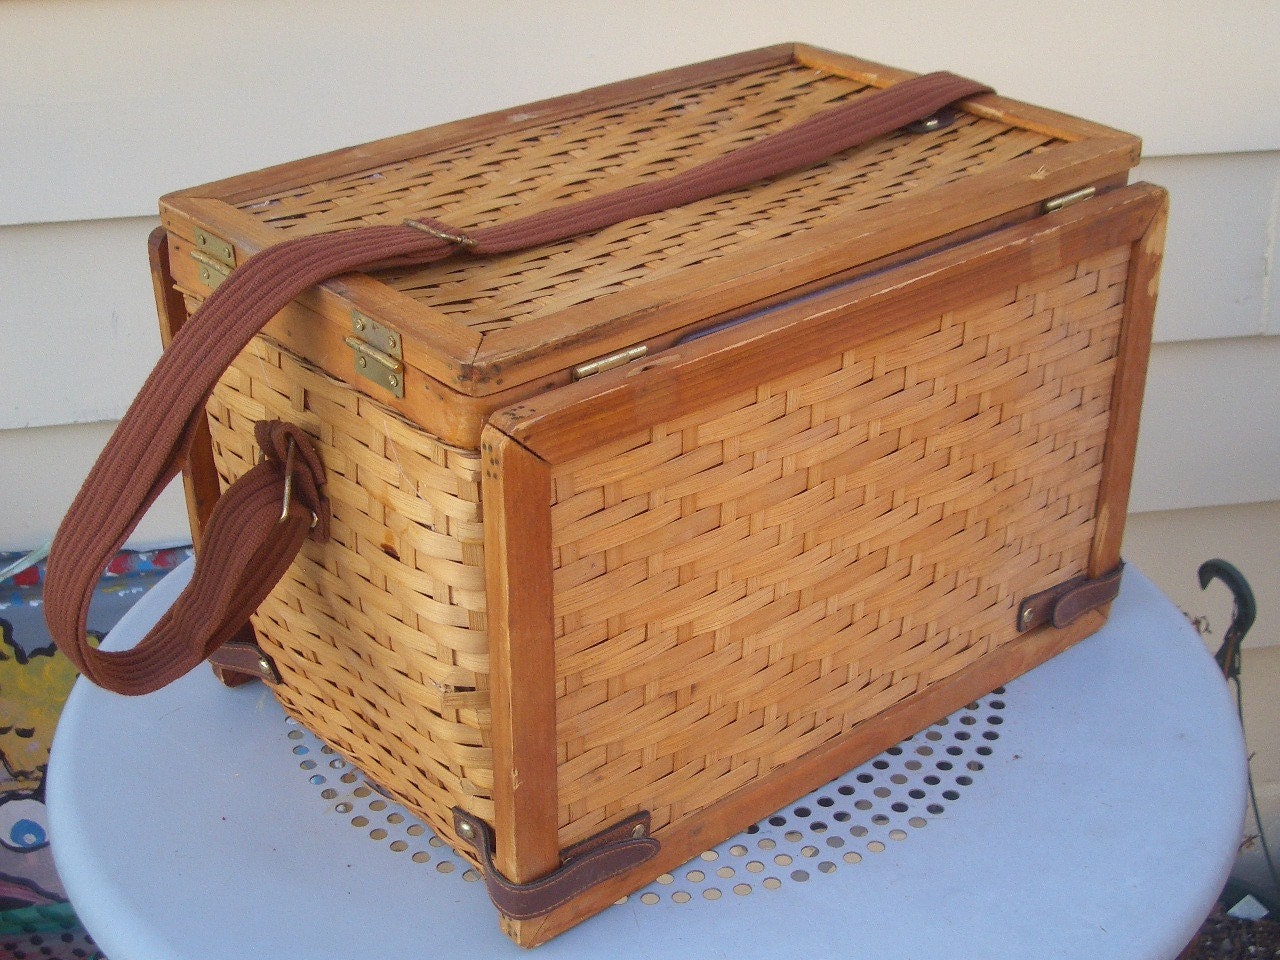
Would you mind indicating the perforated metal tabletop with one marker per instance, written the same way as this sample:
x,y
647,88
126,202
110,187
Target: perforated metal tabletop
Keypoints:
x,y
1089,809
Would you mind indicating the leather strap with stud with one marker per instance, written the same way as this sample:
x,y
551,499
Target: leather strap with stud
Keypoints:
x,y
607,854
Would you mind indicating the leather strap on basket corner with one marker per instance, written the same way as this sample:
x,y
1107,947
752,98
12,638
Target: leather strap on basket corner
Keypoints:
x,y
245,551
610,852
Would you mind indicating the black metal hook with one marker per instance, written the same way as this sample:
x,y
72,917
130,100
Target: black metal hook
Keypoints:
x,y
1246,611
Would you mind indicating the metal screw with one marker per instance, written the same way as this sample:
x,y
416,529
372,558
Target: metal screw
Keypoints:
x,y
391,341
359,324
637,832
1024,621
393,381
204,274
262,662
361,362
466,831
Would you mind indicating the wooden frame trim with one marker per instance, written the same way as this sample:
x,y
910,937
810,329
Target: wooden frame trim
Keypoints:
x,y
516,493
437,346
1131,376
564,423
992,106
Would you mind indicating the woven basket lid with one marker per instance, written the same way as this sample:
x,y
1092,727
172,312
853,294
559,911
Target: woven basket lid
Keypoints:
x,y
482,326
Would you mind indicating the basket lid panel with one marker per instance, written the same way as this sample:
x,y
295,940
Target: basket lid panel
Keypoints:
x,y
477,184
521,302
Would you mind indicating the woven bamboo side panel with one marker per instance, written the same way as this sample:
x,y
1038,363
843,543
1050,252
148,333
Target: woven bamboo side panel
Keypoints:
x,y
522,172
738,587
379,635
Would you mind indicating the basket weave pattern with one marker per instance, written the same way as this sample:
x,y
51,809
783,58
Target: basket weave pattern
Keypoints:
x,y
379,635
737,587
522,172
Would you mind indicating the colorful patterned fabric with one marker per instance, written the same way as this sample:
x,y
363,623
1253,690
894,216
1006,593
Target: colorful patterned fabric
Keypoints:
x,y
35,919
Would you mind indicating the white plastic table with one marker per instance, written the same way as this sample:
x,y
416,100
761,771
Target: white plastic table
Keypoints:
x,y
1090,809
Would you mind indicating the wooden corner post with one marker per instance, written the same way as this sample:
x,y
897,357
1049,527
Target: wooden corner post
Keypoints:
x,y
516,493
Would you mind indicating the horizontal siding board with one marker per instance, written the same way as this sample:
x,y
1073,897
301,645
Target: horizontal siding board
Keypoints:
x,y
40,471
1169,546
1219,255
79,321
1209,431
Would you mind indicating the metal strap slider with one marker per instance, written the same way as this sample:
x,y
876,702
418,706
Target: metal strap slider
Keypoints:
x,y
288,485
455,238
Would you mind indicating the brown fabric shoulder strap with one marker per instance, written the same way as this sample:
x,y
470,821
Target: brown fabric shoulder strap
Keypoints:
x,y
249,545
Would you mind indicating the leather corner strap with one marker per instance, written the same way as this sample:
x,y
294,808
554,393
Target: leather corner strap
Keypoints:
x,y
610,852
241,660
1064,604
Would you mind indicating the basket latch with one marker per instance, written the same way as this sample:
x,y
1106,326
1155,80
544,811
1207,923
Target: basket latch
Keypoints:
x,y
610,852
1064,604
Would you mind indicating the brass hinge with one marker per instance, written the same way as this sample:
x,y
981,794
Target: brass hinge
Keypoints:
x,y
1067,199
215,258
210,271
216,248
377,352
601,364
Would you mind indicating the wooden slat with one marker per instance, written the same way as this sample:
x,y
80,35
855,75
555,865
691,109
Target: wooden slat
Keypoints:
x,y
1126,399
516,489
588,330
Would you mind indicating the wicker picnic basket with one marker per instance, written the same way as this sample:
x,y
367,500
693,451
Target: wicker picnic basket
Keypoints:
x,y
634,462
